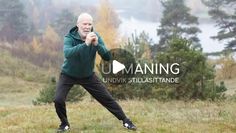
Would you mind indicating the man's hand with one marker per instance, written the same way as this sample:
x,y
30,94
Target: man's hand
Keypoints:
x,y
95,41
91,38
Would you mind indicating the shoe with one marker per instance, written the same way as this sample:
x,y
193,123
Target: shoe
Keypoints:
x,y
63,128
129,125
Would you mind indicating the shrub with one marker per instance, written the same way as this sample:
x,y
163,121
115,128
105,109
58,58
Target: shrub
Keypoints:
x,y
47,94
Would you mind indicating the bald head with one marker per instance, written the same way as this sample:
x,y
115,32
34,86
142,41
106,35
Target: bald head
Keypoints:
x,y
84,16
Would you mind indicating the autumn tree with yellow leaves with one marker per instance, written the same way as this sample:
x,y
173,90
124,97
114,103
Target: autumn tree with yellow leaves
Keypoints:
x,y
227,67
36,46
107,24
51,39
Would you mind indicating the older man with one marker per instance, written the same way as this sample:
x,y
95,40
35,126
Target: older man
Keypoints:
x,y
80,47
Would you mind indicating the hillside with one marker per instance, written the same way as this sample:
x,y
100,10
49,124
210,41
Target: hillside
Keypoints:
x,y
20,80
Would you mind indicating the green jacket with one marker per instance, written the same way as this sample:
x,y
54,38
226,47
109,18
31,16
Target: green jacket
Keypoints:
x,y
79,59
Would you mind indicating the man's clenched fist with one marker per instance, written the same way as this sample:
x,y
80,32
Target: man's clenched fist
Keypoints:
x,y
91,38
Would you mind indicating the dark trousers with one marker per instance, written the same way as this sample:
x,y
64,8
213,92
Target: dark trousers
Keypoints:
x,y
94,86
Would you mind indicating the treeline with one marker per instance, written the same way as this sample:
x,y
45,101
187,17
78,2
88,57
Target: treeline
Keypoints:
x,y
34,30
26,21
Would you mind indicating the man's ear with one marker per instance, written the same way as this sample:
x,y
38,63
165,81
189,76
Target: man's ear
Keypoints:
x,y
92,29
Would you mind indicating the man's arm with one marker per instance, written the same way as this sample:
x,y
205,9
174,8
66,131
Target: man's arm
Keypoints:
x,y
102,50
70,50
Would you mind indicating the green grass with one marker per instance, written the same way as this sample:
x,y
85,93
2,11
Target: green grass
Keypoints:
x,y
231,86
18,68
150,117
15,91
20,81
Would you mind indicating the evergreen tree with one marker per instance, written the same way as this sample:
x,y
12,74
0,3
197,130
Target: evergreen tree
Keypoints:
x,y
223,12
196,77
139,46
177,21
13,20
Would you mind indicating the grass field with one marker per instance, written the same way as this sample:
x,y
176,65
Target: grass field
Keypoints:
x,y
150,117
18,115
15,91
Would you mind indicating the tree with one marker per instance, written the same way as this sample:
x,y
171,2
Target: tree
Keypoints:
x,y
36,48
51,40
228,66
107,24
177,21
64,22
41,13
196,77
139,46
223,12
13,21
51,45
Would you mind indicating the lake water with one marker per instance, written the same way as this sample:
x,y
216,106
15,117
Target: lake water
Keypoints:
x,y
130,25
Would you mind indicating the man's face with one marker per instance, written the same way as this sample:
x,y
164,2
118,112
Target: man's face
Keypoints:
x,y
85,26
